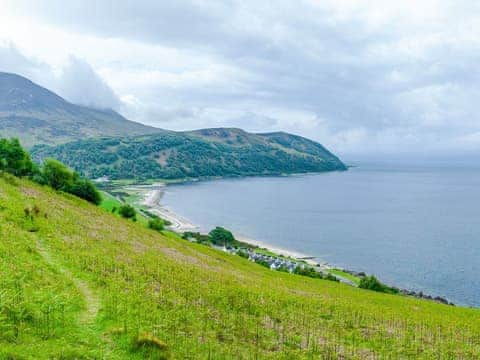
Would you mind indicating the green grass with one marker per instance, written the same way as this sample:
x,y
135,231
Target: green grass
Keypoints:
x,y
345,275
160,296
109,202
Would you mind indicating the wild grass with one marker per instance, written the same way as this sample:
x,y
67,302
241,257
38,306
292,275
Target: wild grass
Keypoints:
x,y
345,275
198,302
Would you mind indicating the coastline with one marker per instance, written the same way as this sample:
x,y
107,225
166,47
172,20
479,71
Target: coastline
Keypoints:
x,y
152,200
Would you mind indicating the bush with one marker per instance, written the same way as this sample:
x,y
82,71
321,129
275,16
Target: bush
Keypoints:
x,y
308,271
128,212
222,237
60,177
331,277
372,283
14,159
57,175
85,189
243,253
200,238
156,224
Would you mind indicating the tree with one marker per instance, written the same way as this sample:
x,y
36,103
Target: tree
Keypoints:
x,y
156,224
57,175
128,212
14,159
221,236
85,189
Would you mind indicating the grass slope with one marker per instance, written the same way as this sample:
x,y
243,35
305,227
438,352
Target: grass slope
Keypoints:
x,y
78,282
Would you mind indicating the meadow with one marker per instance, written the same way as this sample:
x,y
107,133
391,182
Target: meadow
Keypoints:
x,y
77,282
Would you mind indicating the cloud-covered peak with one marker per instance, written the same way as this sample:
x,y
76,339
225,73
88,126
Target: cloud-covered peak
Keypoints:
x,y
80,84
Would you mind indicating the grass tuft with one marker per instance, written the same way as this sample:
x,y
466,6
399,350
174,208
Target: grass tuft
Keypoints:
x,y
145,340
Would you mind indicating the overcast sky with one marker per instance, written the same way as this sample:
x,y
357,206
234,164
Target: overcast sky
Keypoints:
x,y
362,77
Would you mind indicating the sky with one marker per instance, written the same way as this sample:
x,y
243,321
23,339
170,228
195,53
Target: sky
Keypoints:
x,y
365,78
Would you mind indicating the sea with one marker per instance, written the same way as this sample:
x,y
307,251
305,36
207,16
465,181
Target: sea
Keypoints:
x,y
416,227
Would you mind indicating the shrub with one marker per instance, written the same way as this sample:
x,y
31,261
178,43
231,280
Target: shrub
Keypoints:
x,y
57,175
243,254
372,283
200,238
221,236
308,271
128,212
331,277
85,189
156,224
14,159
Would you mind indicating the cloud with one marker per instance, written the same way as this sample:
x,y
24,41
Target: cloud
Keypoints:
x,y
362,77
80,84
77,82
12,60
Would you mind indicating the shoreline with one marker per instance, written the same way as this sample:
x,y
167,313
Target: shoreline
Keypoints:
x,y
152,198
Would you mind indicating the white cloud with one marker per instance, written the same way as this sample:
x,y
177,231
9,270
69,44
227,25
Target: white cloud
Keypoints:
x,y
359,76
80,84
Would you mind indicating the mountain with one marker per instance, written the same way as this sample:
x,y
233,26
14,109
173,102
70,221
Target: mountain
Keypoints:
x,y
102,142
194,154
38,116
78,282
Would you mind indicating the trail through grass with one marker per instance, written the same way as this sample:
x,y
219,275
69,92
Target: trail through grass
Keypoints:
x,y
79,283
92,300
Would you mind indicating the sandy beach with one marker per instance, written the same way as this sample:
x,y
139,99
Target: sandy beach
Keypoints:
x,y
152,199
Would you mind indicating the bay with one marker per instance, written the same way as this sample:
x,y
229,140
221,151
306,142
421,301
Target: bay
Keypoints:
x,y
415,227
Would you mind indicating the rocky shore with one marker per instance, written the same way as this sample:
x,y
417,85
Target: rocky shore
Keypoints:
x,y
415,294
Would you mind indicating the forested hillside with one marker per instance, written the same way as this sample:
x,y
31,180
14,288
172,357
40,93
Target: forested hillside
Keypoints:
x,y
205,153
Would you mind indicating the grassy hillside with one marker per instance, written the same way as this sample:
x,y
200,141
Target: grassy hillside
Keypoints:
x,y
78,282
203,153
36,115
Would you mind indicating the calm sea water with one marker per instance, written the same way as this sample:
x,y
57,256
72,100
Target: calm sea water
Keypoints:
x,y
414,227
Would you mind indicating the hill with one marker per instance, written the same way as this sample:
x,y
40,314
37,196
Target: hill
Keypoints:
x,y
78,282
36,115
195,154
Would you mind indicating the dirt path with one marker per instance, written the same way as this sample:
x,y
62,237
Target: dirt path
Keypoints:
x,y
92,300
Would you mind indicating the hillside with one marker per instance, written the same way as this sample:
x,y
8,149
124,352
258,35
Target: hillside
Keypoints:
x,y
202,153
78,282
38,116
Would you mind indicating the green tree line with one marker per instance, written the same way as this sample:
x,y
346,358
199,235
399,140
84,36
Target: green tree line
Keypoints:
x,y
15,160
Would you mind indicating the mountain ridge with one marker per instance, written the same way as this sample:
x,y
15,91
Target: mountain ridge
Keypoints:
x,y
104,143
37,115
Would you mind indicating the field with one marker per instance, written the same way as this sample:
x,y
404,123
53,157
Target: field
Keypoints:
x,y
77,282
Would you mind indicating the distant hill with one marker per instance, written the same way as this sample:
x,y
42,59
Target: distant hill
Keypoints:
x,y
193,154
102,142
38,116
